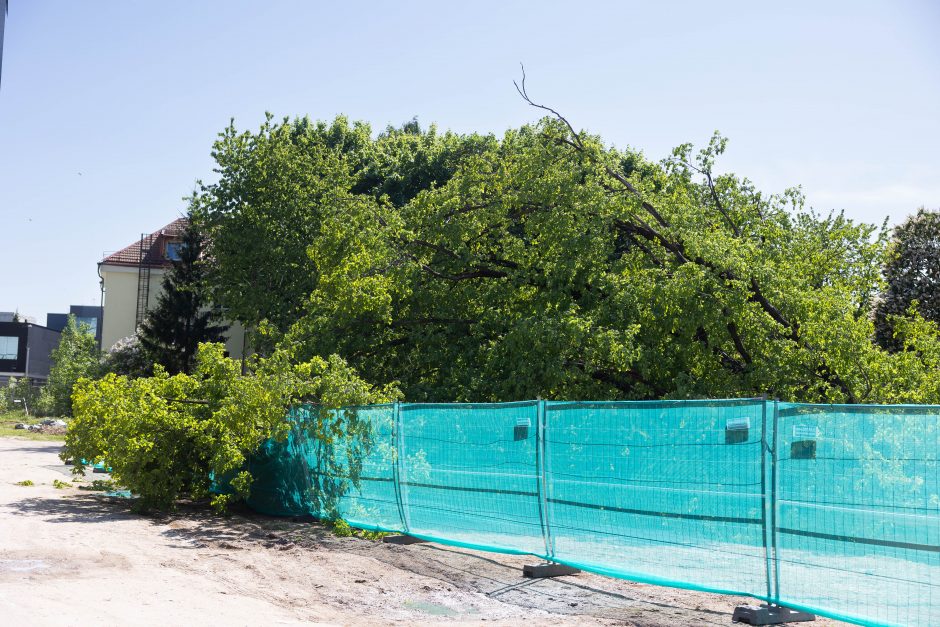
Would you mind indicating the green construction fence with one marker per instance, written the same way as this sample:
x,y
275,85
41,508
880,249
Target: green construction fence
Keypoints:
x,y
833,509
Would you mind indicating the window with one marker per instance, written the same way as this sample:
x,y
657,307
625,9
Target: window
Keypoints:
x,y
9,347
173,250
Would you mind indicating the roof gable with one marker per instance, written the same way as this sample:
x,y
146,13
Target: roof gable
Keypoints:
x,y
155,254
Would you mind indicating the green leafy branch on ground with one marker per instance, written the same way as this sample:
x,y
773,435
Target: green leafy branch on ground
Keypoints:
x,y
342,529
99,485
167,437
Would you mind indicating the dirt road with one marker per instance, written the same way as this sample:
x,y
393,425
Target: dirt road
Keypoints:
x,y
71,557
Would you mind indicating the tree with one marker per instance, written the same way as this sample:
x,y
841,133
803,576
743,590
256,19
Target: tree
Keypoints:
x,y
545,263
183,317
275,187
75,357
912,274
552,266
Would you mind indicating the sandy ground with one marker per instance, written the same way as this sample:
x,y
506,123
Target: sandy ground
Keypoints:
x,y
71,557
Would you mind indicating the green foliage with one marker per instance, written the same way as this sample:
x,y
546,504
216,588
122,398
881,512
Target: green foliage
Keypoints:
x,y
912,274
912,375
166,437
60,485
75,357
26,483
45,404
21,389
545,264
341,528
182,319
277,186
263,213
403,162
100,485
7,395
544,268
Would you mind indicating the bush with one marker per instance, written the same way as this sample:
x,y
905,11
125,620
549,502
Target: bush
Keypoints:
x,y
7,395
166,437
22,390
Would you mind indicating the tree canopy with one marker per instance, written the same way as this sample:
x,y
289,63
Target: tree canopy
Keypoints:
x,y
277,186
912,275
546,263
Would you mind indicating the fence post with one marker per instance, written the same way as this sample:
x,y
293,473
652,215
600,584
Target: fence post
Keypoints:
x,y
766,509
773,613
540,463
399,467
775,479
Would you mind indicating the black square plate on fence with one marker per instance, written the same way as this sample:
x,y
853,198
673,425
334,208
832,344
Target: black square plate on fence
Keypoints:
x,y
803,449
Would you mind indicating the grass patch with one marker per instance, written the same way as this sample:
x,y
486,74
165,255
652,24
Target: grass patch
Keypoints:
x,y
8,420
60,485
25,482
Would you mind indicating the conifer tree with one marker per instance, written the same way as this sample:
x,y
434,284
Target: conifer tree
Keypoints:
x,y
183,317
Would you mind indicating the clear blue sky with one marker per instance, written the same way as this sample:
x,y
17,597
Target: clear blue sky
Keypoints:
x,y
108,109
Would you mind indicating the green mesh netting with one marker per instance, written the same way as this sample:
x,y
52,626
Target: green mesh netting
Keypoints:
x,y
832,509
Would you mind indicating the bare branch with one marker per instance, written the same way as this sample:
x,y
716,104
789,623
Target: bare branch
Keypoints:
x,y
525,96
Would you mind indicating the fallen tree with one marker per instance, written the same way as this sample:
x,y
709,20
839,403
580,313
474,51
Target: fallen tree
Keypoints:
x,y
168,437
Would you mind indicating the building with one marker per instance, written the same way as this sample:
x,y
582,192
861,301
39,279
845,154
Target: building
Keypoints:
x,y
14,316
25,350
84,314
131,281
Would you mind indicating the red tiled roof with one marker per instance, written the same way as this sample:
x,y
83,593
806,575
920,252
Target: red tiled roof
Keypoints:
x,y
154,256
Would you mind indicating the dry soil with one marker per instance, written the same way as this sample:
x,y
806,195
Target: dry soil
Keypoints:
x,y
72,557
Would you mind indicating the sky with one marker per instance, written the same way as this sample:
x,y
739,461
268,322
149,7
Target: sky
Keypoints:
x,y
108,109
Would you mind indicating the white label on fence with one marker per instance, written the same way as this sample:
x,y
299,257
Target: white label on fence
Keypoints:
x,y
805,432
738,424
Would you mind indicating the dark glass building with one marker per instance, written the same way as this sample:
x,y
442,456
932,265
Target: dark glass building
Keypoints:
x,y
25,350
84,314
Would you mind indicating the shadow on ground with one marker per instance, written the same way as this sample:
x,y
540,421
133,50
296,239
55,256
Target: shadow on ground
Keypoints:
x,y
72,507
40,447
194,525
